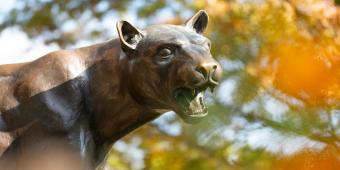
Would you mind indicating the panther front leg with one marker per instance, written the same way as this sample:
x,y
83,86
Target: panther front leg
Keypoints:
x,y
81,138
40,149
5,140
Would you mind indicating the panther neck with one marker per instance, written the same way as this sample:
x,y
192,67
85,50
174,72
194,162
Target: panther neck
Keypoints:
x,y
114,112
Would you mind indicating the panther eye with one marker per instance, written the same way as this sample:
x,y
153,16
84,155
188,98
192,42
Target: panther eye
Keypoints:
x,y
165,52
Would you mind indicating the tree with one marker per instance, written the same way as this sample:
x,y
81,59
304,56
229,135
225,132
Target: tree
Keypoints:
x,y
278,105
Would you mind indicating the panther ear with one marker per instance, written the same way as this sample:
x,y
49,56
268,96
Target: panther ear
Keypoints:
x,y
198,22
129,35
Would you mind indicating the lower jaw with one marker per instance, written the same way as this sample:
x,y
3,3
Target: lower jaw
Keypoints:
x,y
192,118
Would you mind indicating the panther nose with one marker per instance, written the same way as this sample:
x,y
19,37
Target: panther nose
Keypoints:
x,y
211,72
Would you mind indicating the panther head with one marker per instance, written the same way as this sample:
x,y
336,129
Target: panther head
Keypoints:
x,y
170,66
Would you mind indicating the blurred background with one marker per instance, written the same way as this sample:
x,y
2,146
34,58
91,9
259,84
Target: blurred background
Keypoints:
x,y
277,108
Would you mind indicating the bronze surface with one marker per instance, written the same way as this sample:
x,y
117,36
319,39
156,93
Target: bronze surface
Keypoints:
x,y
81,101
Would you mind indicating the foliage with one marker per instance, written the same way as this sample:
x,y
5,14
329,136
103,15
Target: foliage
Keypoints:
x,y
278,106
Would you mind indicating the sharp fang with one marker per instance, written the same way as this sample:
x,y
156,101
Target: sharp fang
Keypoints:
x,y
212,89
193,92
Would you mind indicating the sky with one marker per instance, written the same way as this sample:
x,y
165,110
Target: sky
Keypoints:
x,y
16,46
20,48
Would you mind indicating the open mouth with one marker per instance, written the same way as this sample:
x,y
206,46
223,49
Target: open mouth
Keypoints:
x,y
191,104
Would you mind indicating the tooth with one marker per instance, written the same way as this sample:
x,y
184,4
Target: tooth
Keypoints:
x,y
212,89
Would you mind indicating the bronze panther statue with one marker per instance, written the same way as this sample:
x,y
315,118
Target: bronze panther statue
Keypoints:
x,y
77,103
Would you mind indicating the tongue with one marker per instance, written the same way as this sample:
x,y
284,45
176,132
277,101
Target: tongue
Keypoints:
x,y
185,99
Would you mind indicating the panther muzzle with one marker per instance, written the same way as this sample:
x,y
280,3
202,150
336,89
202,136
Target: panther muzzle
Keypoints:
x,y
191,102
